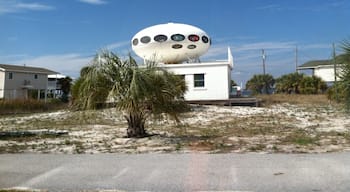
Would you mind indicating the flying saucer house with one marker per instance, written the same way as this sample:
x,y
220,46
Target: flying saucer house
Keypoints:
x,y
177,47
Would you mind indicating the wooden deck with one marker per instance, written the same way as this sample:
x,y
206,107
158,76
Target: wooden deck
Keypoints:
x,y
236,101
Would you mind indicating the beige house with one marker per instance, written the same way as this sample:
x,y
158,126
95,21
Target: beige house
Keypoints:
x,y
22,82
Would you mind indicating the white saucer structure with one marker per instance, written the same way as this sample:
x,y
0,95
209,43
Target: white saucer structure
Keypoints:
x,y
171,43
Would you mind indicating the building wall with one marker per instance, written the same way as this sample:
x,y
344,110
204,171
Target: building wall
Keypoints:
x,y
2,84
18,86
217,78
325,73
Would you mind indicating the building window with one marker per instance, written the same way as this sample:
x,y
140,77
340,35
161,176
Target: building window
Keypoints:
x,y
193,38
145,39
177,46
198,80
160,38
36,76
10,75
177,37
205,39
135,41
191,46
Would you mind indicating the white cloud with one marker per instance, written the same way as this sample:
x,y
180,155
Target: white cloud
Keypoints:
x,y
216,52
33,6
66,64
9,6
117,45
249,50
265,45
316,46
94,2
270,7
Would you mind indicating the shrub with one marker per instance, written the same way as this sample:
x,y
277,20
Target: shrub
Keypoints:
x,y
300,84
28,106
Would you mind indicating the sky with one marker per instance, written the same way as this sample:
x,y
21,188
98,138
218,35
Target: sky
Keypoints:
x,y
64,35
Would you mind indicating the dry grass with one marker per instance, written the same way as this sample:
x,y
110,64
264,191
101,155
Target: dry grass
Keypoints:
x,y
295,99
309,124
21,106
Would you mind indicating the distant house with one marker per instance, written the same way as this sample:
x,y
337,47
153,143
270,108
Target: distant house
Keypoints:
x,y
22,82
54,87
325,69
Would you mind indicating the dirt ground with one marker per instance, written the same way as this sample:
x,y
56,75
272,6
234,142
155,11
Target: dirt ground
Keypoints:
x,y
279,127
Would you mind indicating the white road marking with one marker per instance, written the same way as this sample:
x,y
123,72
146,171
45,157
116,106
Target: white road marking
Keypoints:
x,y
121,173
152,175
224,191
41,177
234,175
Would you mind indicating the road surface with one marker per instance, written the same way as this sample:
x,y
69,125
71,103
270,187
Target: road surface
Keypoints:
x,y
177,172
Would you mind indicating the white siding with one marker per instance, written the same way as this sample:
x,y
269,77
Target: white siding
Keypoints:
x,y
2,84
18,86
216,75
326,74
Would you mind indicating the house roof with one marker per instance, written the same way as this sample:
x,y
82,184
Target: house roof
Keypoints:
x,y
19,68
320,63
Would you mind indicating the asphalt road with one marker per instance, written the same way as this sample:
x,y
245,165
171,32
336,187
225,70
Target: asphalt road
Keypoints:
x,y
178,172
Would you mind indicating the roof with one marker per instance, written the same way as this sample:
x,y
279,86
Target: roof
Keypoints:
x,y
19,68
320,63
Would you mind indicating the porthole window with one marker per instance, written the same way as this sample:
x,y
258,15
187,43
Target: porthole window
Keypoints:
x,y
135,41
177,46
205,39
177,37
145,39
193,38
160,38
191,46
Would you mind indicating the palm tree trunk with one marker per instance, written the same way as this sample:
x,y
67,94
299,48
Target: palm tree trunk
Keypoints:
x,y
136,125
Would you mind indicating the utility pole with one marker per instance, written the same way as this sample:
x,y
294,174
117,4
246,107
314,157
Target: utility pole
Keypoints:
x,y
335,64
296,59
335,74
263,57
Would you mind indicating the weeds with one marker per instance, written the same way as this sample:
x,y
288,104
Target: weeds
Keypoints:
x,y
20,106
206,128
300,138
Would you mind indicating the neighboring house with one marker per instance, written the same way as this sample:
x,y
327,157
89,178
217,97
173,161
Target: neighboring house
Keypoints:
x,y
21,82
205,80
54,87
325,69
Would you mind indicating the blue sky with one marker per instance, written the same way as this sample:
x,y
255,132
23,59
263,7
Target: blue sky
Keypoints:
x,y
63,35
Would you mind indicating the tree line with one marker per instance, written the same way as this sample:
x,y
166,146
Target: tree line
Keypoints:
x,y
298,83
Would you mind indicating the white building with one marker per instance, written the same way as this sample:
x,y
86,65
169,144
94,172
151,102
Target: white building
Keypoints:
x,y
20,82
177,48
325,69
205,80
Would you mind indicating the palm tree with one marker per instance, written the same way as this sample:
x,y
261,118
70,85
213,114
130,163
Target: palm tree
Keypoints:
x,y
65,87
289,83
345,73
138,91
312,85
261,83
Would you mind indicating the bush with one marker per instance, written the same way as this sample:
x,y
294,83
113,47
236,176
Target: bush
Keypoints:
x,y
28,106
261,84
312,85
300,84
